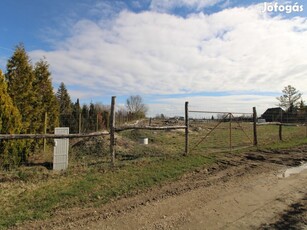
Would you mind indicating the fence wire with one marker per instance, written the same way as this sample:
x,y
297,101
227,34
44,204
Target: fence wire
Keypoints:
x,y
209,132
212,131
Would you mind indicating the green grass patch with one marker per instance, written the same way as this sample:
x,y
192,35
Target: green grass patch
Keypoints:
x,y
89,181
284,144
94,188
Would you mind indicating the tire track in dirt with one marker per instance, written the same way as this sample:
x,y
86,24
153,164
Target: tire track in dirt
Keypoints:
x,y
240,190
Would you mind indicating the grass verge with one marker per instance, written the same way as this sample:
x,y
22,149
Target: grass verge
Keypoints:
x,y
93,188
91,183
285,144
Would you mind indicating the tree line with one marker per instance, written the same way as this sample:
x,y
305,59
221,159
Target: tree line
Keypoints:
x,y
26,95
27,98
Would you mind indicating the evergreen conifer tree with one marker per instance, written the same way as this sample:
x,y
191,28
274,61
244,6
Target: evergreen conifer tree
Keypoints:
x,y
85,118
20,78
46,97
76,116
92,117
65,106
10,123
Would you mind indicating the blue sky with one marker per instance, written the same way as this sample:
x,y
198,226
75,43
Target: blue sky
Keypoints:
x,y
217,54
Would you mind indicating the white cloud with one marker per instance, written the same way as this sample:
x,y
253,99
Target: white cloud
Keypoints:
x,y
3,62
231,103
167,5
238,49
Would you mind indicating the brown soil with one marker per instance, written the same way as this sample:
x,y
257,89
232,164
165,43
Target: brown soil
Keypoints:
x,y
239,192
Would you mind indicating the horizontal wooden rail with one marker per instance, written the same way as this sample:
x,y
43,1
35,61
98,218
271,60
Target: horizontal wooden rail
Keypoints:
x,y
149,128
42,136
278,123
199,111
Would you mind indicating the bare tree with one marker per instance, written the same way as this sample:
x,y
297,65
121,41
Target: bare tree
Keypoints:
x,y
290,98
136,106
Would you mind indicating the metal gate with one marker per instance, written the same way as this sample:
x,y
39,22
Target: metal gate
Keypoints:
x,y
227,139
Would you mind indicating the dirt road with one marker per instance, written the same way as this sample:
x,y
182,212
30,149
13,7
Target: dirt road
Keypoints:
x,y
240,192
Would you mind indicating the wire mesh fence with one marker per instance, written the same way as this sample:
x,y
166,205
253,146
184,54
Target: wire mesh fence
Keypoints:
x,y
139,139
269,133
149,138
296,115
276,125
212,131
85,124
88,151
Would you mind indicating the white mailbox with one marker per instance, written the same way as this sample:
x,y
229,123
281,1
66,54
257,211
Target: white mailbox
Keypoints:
x,y
60,150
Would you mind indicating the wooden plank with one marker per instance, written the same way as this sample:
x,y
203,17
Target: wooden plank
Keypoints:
x,y
45,131
112,131
255,126
119,129
200,111
42,136
186,128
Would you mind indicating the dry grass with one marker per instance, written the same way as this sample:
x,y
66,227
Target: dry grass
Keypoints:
x,y
35,192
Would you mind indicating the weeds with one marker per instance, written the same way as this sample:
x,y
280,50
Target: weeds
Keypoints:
x,y
36,193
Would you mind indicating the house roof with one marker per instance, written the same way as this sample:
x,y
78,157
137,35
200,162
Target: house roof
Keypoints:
x,y
276,109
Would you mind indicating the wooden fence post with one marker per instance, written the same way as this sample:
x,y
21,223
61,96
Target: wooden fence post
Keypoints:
x,y
280,132
45,131
112,131
79,122
230,131
186,128
255,126
97,123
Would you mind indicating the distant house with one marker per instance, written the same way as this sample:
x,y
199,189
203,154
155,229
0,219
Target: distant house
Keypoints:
x,y
279,115
273,114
